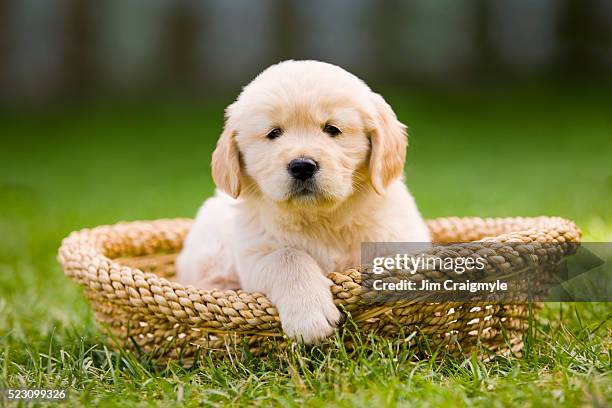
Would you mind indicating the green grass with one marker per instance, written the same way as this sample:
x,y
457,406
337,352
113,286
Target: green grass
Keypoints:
x,y
525,152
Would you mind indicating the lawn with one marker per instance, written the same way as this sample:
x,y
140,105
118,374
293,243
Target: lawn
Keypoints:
x,y
519,152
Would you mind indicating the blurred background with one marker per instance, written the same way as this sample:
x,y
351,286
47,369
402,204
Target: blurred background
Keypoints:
x,y
109,110
52,50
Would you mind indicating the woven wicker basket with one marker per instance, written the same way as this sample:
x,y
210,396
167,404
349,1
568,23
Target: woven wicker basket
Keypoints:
x,y
126,270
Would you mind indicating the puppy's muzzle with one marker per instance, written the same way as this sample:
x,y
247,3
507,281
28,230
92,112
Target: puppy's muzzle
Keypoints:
x,y
302,168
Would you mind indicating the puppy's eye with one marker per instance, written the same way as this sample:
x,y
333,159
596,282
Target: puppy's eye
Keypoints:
x,y
274,133
331,130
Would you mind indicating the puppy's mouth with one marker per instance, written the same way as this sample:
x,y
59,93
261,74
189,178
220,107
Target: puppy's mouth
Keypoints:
x,y
308,194
306,189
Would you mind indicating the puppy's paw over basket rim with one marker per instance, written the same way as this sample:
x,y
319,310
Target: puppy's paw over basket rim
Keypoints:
x,y
125,270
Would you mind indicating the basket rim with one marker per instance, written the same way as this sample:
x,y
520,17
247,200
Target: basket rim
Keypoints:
x,y
89,257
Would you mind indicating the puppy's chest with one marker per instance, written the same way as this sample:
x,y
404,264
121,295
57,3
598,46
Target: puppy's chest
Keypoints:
x,y
332,252
334,247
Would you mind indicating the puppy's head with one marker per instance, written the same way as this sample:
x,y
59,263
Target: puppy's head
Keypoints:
x,y
307,132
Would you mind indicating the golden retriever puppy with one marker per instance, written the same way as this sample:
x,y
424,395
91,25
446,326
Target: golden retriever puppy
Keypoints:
x,y
309,166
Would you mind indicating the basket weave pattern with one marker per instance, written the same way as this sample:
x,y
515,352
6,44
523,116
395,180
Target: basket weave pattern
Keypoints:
x,y
126,270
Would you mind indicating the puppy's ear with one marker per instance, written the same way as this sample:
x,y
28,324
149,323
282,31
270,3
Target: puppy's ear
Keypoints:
x,y
226,163
388,139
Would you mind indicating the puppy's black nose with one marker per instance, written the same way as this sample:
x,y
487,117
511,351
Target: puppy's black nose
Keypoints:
x,y
302,168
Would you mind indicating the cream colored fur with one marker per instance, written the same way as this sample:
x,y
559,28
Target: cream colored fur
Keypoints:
x,y
257,235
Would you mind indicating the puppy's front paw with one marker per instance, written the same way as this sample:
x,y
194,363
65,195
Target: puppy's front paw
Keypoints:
x,y
309,317
310,325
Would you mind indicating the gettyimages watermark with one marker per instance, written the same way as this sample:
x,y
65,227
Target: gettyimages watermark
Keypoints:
x,y
487,271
